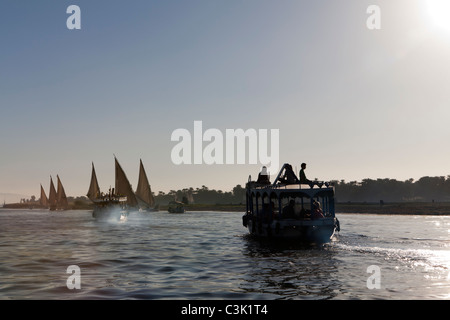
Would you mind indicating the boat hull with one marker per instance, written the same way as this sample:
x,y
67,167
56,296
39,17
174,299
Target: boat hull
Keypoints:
x,y
302,231
176,207
109,213
176,210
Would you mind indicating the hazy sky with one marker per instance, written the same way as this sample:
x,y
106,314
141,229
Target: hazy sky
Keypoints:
x,y
351,102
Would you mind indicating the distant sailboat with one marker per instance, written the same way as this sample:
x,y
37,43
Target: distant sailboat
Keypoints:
x,y
144,192
52,200
94,190
43,201
123,186
61,198
121,198
117,201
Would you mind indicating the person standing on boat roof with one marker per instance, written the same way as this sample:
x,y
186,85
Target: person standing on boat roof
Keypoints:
x,y
263,176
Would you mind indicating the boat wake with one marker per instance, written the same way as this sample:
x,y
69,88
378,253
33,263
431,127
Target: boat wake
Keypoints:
x,y
430,259
111,215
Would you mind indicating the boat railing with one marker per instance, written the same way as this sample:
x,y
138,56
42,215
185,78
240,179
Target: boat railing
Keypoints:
x,y
315,186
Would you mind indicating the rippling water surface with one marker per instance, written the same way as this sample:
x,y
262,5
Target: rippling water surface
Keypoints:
x,y
208,255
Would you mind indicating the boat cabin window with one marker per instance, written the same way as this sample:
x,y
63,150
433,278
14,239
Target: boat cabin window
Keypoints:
x,y
295,207
286,205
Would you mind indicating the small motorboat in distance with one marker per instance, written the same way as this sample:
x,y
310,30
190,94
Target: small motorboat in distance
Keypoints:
x,y
289,210
176,207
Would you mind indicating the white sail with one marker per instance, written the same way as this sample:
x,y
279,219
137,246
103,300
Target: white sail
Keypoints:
x,y
94,189
123,186
61,198
143,191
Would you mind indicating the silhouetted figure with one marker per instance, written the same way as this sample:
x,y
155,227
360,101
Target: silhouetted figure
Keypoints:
x,y
289,175
263,176
317,212
289,211
303,179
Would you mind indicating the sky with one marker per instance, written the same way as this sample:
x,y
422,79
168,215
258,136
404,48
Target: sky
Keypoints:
x,y
350,101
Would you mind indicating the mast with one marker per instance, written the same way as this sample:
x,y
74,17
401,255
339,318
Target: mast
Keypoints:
x,y
123,186
94,189
143,190
43,200
52,196
61,198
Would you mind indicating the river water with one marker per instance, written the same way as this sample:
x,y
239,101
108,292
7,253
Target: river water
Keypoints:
x,y
209,255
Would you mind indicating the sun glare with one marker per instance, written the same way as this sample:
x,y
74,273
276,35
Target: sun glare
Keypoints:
x,y
439,11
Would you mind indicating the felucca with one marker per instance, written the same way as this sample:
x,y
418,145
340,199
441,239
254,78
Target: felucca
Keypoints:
x,y
61,198
115,204
52,196
144,195
43,201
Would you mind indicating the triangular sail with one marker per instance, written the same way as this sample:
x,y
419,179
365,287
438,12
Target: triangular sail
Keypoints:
x,y
61,198
123,186
52,196
43,200
143,191
94,189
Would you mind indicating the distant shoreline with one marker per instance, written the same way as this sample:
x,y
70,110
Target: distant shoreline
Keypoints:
x,y
406,208
417,208
400,208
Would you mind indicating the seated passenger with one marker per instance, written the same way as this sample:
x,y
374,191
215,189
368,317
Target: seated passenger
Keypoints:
x,y
288,211
289,176
263,176
317,212
303,179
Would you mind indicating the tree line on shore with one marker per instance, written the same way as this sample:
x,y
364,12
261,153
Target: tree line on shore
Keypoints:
x,y
426,189
203,195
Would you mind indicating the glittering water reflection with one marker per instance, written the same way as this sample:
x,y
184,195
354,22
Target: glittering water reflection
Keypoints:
x,y
208,255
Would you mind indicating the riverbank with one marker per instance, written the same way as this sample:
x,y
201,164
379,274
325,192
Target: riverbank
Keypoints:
x,y
417,208
402,208
72,206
